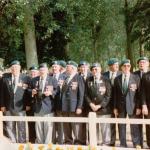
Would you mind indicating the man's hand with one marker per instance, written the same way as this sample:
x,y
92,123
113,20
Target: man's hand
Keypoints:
x,y
3,109
78,111
34,92
144,110
97,107
28,108
138,111
93,107
48,93
116,113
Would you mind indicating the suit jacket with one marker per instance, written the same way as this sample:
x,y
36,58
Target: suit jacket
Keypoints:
x,y
44,104
107,75
126,102
145,89
99,93
58,102
14,100
72,94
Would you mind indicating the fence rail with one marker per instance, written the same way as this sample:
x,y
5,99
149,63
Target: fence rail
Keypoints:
x,y
92,120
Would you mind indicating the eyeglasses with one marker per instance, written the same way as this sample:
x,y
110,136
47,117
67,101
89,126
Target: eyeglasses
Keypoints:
x,y
126,65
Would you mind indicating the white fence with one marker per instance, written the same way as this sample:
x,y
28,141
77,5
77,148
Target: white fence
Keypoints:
x,y
92,120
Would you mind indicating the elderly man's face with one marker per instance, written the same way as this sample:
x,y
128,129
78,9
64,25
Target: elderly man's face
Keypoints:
x,y
114,67
84,68
43,71
15,69
126,68
96,70
56,69
143,64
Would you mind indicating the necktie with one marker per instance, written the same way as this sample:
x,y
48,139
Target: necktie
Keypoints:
x,y
41,85
112,78
14,84
67,79
125,84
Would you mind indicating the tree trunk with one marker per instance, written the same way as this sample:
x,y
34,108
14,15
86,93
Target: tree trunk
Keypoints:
x,y
30,39
112,40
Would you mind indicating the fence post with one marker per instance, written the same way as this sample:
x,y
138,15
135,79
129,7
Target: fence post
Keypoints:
x,y
92,129
1,124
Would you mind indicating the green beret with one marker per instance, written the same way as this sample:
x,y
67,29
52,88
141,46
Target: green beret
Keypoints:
x,y
62,63
82,63
15,62
43,65
95,65
73,63
142,58
33,67
125,61
112,61
55,62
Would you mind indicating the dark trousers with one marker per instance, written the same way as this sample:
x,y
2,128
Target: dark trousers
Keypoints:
x,y
82,131
113,132
31,127
148,130
16,131
70,128
140,126
134,131
58,132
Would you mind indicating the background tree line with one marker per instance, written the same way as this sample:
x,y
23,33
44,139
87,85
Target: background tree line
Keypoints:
x,y
36,31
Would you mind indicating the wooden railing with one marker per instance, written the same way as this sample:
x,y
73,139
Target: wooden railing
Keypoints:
x,y
91,120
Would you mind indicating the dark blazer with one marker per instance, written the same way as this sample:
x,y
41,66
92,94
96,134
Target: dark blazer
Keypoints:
x,y
58,101
44,104
107,75
94,94
126,102
14,101
72,94
145,89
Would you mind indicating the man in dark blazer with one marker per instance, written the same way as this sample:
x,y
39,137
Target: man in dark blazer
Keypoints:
x,y
145,86
43,93
126,88
59,77
84,72
72,94
13,102
111,74
143,65
33,72
97,94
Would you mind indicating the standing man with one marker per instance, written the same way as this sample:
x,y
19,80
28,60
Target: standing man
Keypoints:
x,y
84,72
72,94
111,74
97,94
43,92
13,101
59,77
143,65
146,102
126,88
33,72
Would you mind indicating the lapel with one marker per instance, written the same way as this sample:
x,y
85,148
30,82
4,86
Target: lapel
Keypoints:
x,y
10,85
120,81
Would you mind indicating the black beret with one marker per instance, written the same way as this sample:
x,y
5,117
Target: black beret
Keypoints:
x,y
62,63
15,62
73,63
112,61
95,65
125,61
82,63
55,62
33,67
142,58
43,65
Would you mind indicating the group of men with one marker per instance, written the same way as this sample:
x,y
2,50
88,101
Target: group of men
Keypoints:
x,y
73,90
